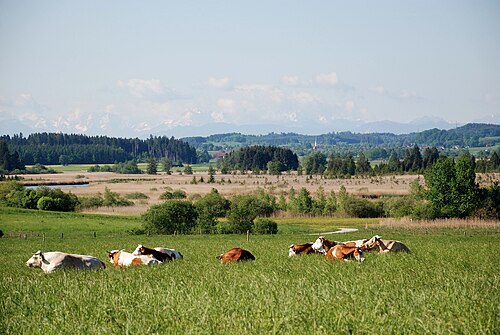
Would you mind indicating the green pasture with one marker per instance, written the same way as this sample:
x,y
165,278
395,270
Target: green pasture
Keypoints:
x,y
449,284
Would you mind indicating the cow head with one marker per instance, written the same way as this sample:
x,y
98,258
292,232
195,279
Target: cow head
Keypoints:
x,y
139,250
37,260
113,254
291,250
358,254
318,245
220,256
372,243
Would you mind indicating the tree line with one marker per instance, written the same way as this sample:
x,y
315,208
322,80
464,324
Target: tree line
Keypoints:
x,y
260,158
473,134
412,161
59,148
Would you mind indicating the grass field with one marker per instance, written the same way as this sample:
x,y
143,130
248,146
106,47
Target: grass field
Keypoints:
x,y
450,283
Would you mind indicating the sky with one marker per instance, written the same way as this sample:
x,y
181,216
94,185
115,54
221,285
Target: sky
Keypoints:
x,y
124,67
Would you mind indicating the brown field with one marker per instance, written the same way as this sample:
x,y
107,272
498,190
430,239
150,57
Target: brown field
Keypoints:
x,y
473,223
227,185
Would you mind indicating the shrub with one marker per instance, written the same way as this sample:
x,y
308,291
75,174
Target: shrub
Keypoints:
x,y
242,213
424,211
265,226
136,195
170,217
362,208
47,204
176,194
90,202
114,199
398,207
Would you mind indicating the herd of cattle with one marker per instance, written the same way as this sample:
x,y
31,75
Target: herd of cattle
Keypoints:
x,y
332,250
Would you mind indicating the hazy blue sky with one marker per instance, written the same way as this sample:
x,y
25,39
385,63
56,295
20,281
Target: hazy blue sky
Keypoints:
x,y
119,66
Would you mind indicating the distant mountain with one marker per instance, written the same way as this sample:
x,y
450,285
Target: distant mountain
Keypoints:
x,y
114,124
13,126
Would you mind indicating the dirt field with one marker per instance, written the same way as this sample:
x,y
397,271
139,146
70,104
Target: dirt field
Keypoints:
x,y
227,185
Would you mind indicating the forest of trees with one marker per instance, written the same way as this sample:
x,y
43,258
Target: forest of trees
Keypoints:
x,y
9,160
58,148
261,158
466,136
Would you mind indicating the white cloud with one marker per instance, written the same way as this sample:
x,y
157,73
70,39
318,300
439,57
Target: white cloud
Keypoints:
x,y
292,117
290,80
327,79
305,97
380,90
349,106
218,83
226,104
217,116
407,94
141,88
262,91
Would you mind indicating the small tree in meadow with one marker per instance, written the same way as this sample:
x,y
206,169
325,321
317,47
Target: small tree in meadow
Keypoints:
x,y
152,166
170,217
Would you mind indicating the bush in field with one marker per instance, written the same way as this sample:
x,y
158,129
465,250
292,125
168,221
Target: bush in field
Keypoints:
x,y
244,209
129,167
265,226
16,195
90,202
242,213
47,204
170,217
489,203
114,199
136,195
175,194
397,207
211,207
451,186
362,208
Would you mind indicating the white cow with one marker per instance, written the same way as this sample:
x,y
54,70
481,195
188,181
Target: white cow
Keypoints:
x,y
123,259
386,246
50,261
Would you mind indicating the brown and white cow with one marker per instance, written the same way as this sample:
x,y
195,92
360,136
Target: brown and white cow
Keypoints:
x,y
343,252
322,244
165,253
300,249
123,259
356,243
236,255
386,246
50,261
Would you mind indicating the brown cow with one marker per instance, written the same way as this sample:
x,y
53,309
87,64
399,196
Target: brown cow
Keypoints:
x,y
298,249
236,255
322,244
344,252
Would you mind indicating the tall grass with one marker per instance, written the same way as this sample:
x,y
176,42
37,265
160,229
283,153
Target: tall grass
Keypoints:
x,y
448,284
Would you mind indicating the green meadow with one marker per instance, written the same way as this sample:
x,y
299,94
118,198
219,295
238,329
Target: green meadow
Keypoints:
x,y
449,284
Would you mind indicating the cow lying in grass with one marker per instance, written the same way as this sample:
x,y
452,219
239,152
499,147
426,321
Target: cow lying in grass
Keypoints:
x,y
50,261
322,245
123,259
236,255
386,246
161,254
299,249
343,252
